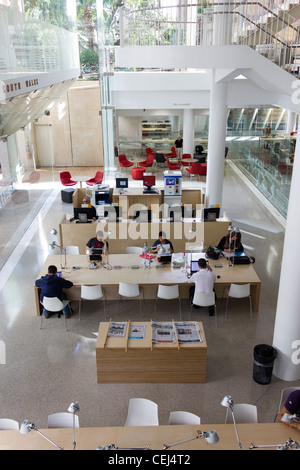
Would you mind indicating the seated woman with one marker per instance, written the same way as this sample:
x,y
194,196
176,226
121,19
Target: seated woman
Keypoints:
x,y
231,242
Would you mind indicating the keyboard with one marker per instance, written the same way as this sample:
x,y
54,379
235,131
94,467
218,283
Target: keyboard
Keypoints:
x,y
150,191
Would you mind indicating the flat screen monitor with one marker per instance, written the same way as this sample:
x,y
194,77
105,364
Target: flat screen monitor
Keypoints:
x,y
210,214
83,214
112,212
96,254
148,181
121,183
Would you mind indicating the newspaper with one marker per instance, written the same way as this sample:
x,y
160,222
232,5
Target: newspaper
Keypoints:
x,y
117,329
163,332
188,332
137,332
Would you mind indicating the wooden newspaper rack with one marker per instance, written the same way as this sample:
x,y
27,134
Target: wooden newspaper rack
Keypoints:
x,y
122,359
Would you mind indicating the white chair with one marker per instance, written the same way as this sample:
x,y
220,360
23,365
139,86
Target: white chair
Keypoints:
x,y
132,250
183,417
284,394
6,423
129,291
91,293
71,250
239,291
205,300
168,293
142,412
54,304
243,413
62,420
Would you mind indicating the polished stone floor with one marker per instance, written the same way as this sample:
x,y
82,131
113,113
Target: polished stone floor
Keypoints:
x,y
46,369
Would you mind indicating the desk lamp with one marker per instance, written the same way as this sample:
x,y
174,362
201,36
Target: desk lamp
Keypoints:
x,y
73,408
228,403
107,265
145,251
211,437
288,418
52,250
289,444
27,426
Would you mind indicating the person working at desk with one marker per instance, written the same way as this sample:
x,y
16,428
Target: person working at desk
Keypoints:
x,y
52,285
162,240
291,407
204,280
98,242
231,242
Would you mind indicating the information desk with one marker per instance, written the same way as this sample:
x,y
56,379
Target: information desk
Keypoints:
x,y
147,278
154,436
124,360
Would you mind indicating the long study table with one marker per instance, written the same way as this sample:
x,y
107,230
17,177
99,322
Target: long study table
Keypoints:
x,y
123,269
153,436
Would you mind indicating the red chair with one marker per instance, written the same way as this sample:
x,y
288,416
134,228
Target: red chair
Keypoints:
x,y
172,166
197,169
148,150
98,178
172,154
65,178
283,168
184,157
124,162
137,173
148,162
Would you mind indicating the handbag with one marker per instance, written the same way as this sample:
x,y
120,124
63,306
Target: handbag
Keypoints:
x,y
213,253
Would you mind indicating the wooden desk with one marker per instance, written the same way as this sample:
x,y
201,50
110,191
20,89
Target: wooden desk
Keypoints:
x,y
154,436
147,278
123,360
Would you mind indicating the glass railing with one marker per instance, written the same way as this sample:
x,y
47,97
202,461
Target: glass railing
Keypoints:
x,y
28,45
268,163
263,26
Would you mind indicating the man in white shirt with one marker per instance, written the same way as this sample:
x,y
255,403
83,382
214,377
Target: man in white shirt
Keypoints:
x,y
204,280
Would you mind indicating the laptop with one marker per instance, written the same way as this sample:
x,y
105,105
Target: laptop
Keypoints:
x,y
96,254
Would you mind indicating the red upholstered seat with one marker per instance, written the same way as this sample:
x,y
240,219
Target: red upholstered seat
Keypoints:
x,y
124,162
65,178
185,157
149,161
172,166
173,153
137,173
197,169
98,178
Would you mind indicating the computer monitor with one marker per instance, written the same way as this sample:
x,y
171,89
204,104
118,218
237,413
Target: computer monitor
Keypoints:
x,y
96,254
121,183
83,214
113,213
148,181
210,214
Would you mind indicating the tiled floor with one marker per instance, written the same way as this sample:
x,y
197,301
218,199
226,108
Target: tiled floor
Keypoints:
x,y
47,369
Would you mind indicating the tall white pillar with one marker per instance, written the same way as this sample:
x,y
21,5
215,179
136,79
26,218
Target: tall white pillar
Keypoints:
x,y
286,339
188,131
291,122
222,23
216,143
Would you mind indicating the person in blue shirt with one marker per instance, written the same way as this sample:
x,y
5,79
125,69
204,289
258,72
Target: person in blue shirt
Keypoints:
x,y
52,285
162,240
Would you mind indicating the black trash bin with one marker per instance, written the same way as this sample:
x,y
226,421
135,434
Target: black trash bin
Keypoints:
x,y
263,361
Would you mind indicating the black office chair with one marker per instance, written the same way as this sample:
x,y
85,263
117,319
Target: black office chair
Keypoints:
x,y
160,158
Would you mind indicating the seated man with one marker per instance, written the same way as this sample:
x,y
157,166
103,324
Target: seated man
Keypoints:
x,y
98,242
291,407
52,286
162,240
204,280
86,201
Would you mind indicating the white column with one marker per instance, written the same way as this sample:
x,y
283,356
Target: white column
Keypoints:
x,y
286,339
216,143
188,131
222,23
291,122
